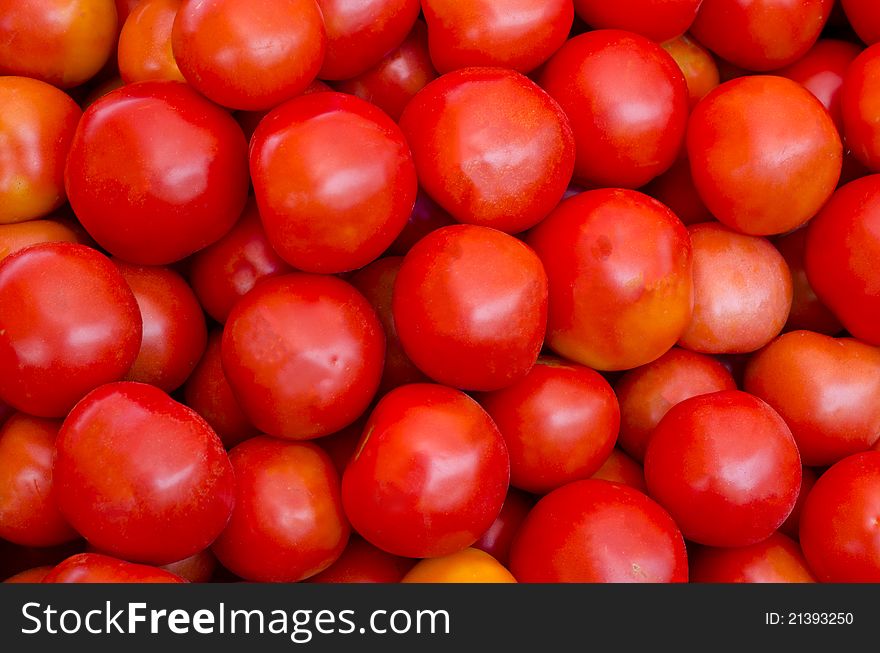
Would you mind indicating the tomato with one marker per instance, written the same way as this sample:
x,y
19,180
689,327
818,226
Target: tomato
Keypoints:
x,y
70,324
342,445
174,332
559,422
334,181
843,246
774,560
466,566
764,154
144,50
725,466
478,336
288,522
33,575
864,18
490,147
760,34
62,42
249,120
36,129
596,531
515,34
426,217
839,521
659,21
742,291
397,77
648,392
361,562
141,476
696,63
619,266
430,474
791,525
276,46
97,568
156,172
124,9
620,468
675,188
197,568
499,536
859,103
611,72
303,354
15,237
28,512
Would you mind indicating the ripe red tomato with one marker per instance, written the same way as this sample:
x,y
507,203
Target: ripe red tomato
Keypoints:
x,y
361,562
97,568
197,568
774,560
864,19
477,336
859,100
726,468
559,422
611,72
303,354
595,531
497,539
70,323
839,521
17,236
490,147
620,468
696,63
430,474
659,21
144,51
334,181
288,522
619,266
675,188
141,476
156,172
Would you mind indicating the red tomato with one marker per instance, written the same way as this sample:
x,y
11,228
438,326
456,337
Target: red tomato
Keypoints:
x,y
303,354
334,181
288,522
72,324
864,18
659,21
760,34
598,532
559,422
638,101
839,521
141,476
426,217
675,188
791,525
478,336
197,568
156,172
144,50
361,562
430,475
277,47
619,266
465,566
490,147
62,42
699,68
28,511
97,568
36,129
33,575
15,237
774,560
342,445
726,468
124,9
742,291
859,103
843,247
249,120
516,34
620,468
497,539
648,392
764,154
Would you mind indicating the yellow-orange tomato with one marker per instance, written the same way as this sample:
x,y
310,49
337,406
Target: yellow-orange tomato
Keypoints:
x,y
467,566
14,237
145,42
699,67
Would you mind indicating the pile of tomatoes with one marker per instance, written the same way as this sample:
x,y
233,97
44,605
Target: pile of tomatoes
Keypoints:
x,y
440,291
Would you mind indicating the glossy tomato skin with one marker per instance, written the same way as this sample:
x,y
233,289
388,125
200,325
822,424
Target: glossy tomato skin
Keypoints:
x,y
841,254
288,522
659,21
28,511
129,449
777,559
93,298
764,154
36,130
620,468
858,102
838,526
516,34
430,474
98,568
213,42
305,157
17,236
144,50
497,539
465,566
361,562
864,18
697,65
742,291
833,414
726,468
598,532
619,267
303,354
475,336
156,172
62,42
559,422
611,71
513,152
